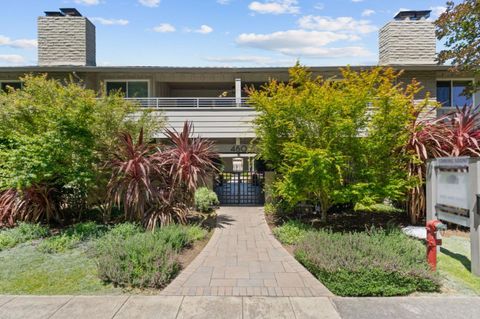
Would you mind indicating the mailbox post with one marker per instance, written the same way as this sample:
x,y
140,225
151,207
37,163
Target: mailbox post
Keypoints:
x,y
453,185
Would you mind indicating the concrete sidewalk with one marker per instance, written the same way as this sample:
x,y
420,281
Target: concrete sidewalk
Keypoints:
x,y
211,307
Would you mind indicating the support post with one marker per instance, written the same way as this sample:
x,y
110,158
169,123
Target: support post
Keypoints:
x,y
474,173
431,188
238,92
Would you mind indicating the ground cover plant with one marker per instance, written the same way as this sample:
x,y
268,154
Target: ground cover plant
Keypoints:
x,y
91,258
20,234
372,263
134,258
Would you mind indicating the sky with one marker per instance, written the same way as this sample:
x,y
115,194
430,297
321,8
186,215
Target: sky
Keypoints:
x,y
219,33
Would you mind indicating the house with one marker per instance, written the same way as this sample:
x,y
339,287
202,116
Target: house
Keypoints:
x,y
212,97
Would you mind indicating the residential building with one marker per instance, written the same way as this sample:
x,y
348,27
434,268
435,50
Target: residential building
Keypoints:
x,y
212,97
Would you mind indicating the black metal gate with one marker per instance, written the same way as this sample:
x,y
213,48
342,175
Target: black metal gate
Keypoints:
x,y
240,188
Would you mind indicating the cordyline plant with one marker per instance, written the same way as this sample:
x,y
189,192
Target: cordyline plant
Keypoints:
x,y
453,134
155,183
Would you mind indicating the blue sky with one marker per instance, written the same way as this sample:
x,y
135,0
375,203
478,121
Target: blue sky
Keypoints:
x,y
215,32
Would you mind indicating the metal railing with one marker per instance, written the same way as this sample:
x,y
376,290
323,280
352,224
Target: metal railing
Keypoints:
x,y
190,102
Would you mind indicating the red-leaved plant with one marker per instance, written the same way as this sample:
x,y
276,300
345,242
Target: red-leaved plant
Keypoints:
x,y
35,203
453,134
155,183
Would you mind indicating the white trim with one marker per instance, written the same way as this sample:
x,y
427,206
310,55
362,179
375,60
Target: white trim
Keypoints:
x,y
129,80
451,80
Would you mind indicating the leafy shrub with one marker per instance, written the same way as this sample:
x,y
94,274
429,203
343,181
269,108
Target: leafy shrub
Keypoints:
x,y
383,208
195,233
52,137
375,263
205,200
126,257
71,237
20,234
270,209
291,232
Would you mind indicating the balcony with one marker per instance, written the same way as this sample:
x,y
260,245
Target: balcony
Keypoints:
x,y
212,117
190,102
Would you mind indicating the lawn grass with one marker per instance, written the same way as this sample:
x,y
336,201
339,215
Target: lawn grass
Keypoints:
x,y
26,270
454,266
52,266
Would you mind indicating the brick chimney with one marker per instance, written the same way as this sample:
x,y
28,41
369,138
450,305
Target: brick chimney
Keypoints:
x,y
65,37
408,39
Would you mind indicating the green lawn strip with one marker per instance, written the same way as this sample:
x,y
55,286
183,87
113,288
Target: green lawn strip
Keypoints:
x,y
454,266
26,270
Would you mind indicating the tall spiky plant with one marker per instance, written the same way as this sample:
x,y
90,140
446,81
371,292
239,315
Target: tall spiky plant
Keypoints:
x,y
131,185
190,159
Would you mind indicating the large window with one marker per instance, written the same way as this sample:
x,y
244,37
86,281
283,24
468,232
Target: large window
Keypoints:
x,y
128,88
5,85
451,93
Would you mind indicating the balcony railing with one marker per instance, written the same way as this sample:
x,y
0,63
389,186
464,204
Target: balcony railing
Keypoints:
x,y
190,102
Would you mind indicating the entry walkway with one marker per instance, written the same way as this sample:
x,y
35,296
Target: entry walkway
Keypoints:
x,y
244,259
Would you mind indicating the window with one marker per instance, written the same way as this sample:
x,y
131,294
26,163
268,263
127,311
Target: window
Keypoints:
x,y
128,88
451,93
16,85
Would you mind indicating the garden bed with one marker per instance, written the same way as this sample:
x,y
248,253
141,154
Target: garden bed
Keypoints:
x,y
89,258
368,261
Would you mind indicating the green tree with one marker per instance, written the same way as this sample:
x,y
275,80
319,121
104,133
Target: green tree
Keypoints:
x,y
337,140
459,27
56,136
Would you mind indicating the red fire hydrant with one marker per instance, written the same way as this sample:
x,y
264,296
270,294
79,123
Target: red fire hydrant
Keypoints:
x,y
432,242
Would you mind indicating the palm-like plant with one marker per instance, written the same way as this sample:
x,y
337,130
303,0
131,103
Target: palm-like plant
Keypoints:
x,y
155,184
133,173
34,204
190,159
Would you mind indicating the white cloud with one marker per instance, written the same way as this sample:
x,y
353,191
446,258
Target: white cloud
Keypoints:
x,y
13,59
340,24
275,7
437,11
88,2
164,28
223,2
319,6
19,43
105,21
367,12
204,29
304,43
357,0
149,3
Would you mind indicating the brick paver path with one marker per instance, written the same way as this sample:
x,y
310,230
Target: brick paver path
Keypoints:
x,y
244,259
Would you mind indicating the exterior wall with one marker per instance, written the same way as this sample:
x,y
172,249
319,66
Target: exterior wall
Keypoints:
x,y
66,41
407,42
214,123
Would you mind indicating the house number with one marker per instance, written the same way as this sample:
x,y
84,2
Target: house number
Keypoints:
x,y
239,148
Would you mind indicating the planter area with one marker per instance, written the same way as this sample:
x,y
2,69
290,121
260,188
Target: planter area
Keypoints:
x,y
90,258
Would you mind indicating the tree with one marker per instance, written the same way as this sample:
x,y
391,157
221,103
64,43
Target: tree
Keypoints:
x,y
459,26
336,141
53,141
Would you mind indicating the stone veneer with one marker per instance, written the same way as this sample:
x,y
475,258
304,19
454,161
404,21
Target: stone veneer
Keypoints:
x,y
66,41
407,42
